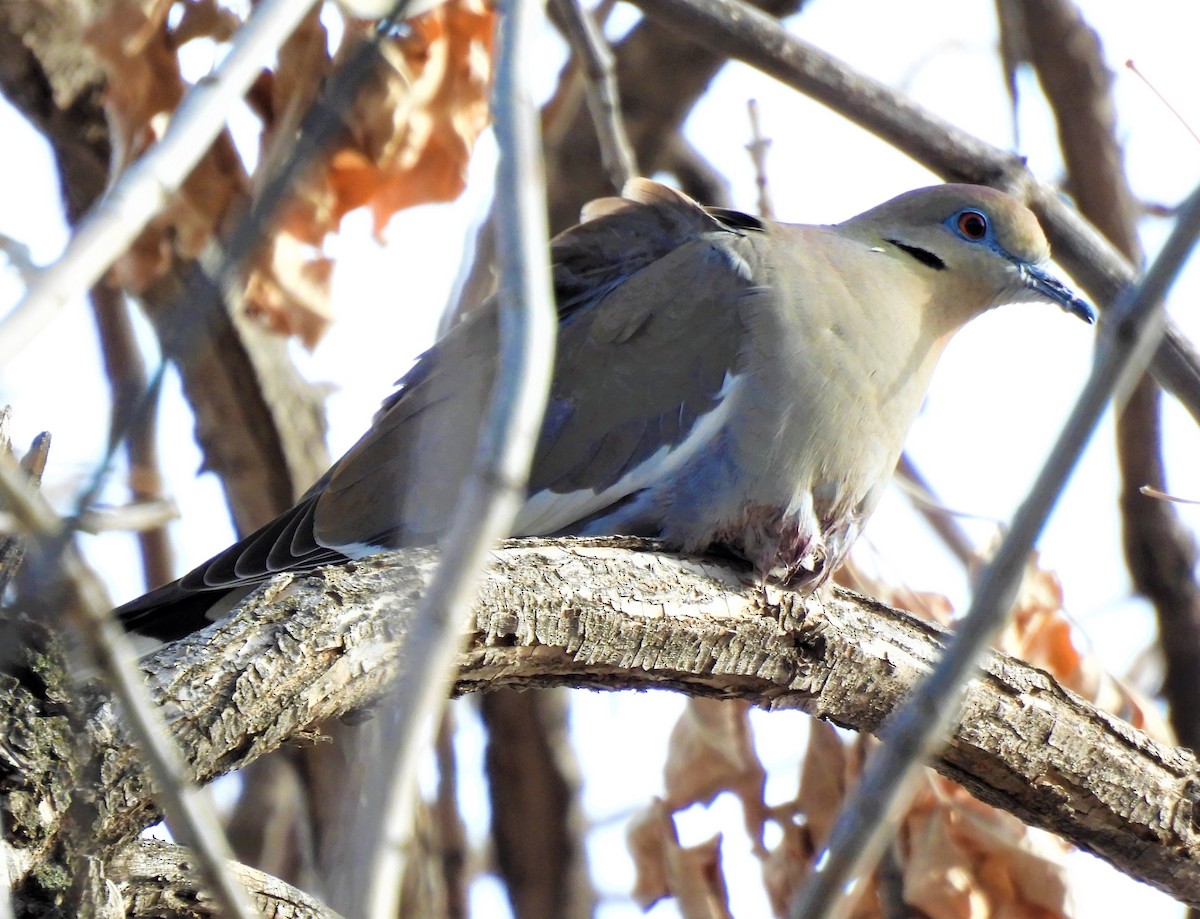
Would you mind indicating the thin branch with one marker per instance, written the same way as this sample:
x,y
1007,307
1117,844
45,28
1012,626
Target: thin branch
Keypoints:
x,y
696,176
935,513
304,650
1130,332
146,186
130,518
1183,122
189,813
661,73
1159,550
493,493
451,831
537,838
740,31
136,423
19,257
757,148
600,86
12,546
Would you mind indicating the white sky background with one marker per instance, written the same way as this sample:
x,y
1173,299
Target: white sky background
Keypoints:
x,y
1000,394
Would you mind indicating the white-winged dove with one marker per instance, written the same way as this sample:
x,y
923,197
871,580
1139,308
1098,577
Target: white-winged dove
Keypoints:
x,y
720,381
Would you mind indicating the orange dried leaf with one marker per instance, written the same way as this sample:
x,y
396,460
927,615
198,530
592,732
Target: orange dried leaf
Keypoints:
x,y
290,292
711,750
697,880
650,832
144,86
823,780
789,863
1042,633
144,82
692,874
204,19
416,126
966,859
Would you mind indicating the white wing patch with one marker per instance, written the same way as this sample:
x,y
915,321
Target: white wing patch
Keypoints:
x,y
548,511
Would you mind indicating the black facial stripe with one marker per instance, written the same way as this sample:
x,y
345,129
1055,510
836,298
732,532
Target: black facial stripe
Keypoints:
x,y
924,256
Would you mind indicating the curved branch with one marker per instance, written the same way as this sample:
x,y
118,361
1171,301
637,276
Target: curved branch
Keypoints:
x,y
157,876
304,650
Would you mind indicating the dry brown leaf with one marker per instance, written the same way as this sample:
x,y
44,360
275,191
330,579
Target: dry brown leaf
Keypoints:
x,y
414,130
960,858
407,141
788,864
292,297
649,833
966,859
696,878
690,874
1042,633
823,780
204,19
711,750
144,86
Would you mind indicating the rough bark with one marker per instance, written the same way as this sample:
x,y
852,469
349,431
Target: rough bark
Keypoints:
x,y
307,649
156,879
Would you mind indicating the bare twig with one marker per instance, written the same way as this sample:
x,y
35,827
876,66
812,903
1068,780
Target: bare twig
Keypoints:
x,y
1151,492
600,86
136,422
935,513
661,73
1163,99
536,832
19,257
1128,336
493,493
451,832
757,148
130,518
189,813
12,545
147,186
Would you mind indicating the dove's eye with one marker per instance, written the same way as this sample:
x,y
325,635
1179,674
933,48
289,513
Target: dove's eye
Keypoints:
x,y
972,225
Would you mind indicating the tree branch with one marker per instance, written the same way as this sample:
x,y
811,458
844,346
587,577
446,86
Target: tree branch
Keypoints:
x,y
311,648
1159,549
157,877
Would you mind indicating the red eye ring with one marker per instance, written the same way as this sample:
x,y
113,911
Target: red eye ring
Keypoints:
x,y
972,225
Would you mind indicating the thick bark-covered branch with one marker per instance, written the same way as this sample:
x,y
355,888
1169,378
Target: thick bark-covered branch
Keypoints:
x,y
593,614
156,879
